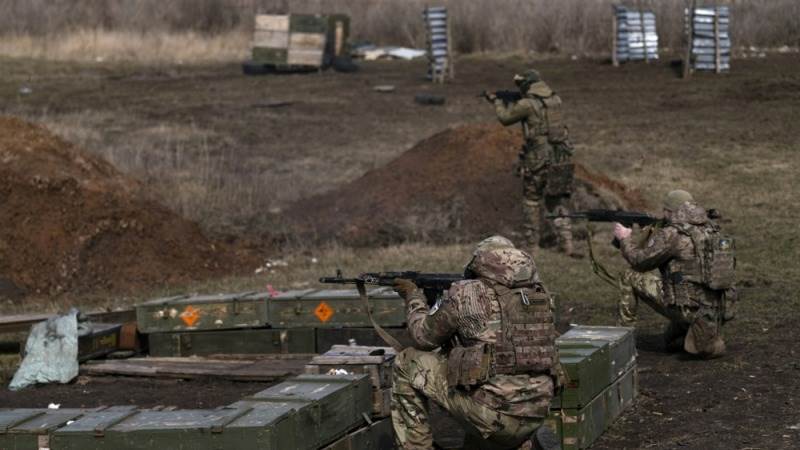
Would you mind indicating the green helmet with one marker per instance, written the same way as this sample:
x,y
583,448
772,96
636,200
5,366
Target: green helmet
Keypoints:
x,y
674,199
526,79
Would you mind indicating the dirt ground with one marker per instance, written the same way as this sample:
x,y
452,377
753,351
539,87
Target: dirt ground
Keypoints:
x,y
234,153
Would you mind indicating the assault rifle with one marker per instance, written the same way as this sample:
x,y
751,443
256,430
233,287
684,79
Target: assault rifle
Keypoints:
x,y
506,96
627,218
432,284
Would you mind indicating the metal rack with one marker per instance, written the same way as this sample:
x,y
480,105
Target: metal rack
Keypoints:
x,y
635,36
440,53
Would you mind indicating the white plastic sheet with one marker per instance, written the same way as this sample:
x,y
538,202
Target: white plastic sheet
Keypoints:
x,y
51,353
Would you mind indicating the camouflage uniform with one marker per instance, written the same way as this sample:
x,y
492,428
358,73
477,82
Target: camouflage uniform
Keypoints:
x,y
693,309
544,166
498,406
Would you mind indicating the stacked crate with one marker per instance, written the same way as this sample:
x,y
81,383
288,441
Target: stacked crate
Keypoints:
x,y
635,36
601,365
300,321
307,412
298,41
373,361
437,26
708,29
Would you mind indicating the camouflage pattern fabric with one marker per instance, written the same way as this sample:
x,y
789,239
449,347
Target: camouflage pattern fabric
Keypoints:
x,y
689,305
420,377
502,412
535,158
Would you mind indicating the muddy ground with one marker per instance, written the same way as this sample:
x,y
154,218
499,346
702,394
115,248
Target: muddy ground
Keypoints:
x,y
731,139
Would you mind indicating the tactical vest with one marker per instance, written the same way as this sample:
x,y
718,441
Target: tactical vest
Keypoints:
x,y
551,120
523,321
714,265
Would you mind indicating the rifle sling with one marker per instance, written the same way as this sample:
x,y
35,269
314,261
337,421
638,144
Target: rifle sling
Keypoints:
x,y
388,338
598,268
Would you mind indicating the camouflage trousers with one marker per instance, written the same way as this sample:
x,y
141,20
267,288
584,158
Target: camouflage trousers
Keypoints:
x,y
692,328
420,377
539,230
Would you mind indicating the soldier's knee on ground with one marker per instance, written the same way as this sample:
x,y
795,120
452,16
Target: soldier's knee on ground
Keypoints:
x,y
704,339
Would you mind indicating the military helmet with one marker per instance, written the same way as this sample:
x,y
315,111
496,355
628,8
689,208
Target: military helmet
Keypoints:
x,y
492,243
506,266
526,79
674,199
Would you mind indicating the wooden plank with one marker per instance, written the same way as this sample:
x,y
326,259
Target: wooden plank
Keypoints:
x,y
23,322
306,41
271,39
272,22
268,369
304,57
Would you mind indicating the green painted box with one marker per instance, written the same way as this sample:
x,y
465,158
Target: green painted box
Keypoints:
x,y
200,429
328,337
250,341
377,436
620,340
22,429
328,406
580,427
102,339
203,312
587,366
336,309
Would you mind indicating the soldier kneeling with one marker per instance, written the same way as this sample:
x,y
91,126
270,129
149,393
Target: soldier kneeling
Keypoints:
x,y
694,286
485,353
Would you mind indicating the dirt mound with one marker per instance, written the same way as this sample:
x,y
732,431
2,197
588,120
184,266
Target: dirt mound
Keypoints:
x,y
70,222
455,185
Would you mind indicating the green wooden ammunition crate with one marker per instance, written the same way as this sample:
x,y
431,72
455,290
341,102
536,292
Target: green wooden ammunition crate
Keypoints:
x,y
622,393
328,337
179,429
30,428
101,340
377,436
327,406
587,366
620,340
270,55
580,427
308,23
203,312
374,361
251,341
335,308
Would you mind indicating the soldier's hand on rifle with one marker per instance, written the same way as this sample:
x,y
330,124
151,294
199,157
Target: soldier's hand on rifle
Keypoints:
x,y
489,96
404,287
621,232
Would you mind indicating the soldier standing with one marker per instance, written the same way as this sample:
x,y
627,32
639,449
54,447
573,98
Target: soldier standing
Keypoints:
x,y
694,287
544,161
496,366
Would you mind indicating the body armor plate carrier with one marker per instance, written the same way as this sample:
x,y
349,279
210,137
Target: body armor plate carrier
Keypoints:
x,y
526,339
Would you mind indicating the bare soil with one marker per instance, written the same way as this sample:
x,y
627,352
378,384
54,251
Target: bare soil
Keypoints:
x,y
454,185
74,223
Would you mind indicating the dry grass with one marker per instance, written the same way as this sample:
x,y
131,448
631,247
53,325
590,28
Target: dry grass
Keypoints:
x,y
214,30
120,45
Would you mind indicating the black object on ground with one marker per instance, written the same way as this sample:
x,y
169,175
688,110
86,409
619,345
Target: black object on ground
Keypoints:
x,y
429,99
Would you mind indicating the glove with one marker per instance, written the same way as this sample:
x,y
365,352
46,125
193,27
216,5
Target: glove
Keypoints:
x,y
621,232
404,287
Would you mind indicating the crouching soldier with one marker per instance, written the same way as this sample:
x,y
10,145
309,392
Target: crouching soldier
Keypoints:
x,y
485,353
694,285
